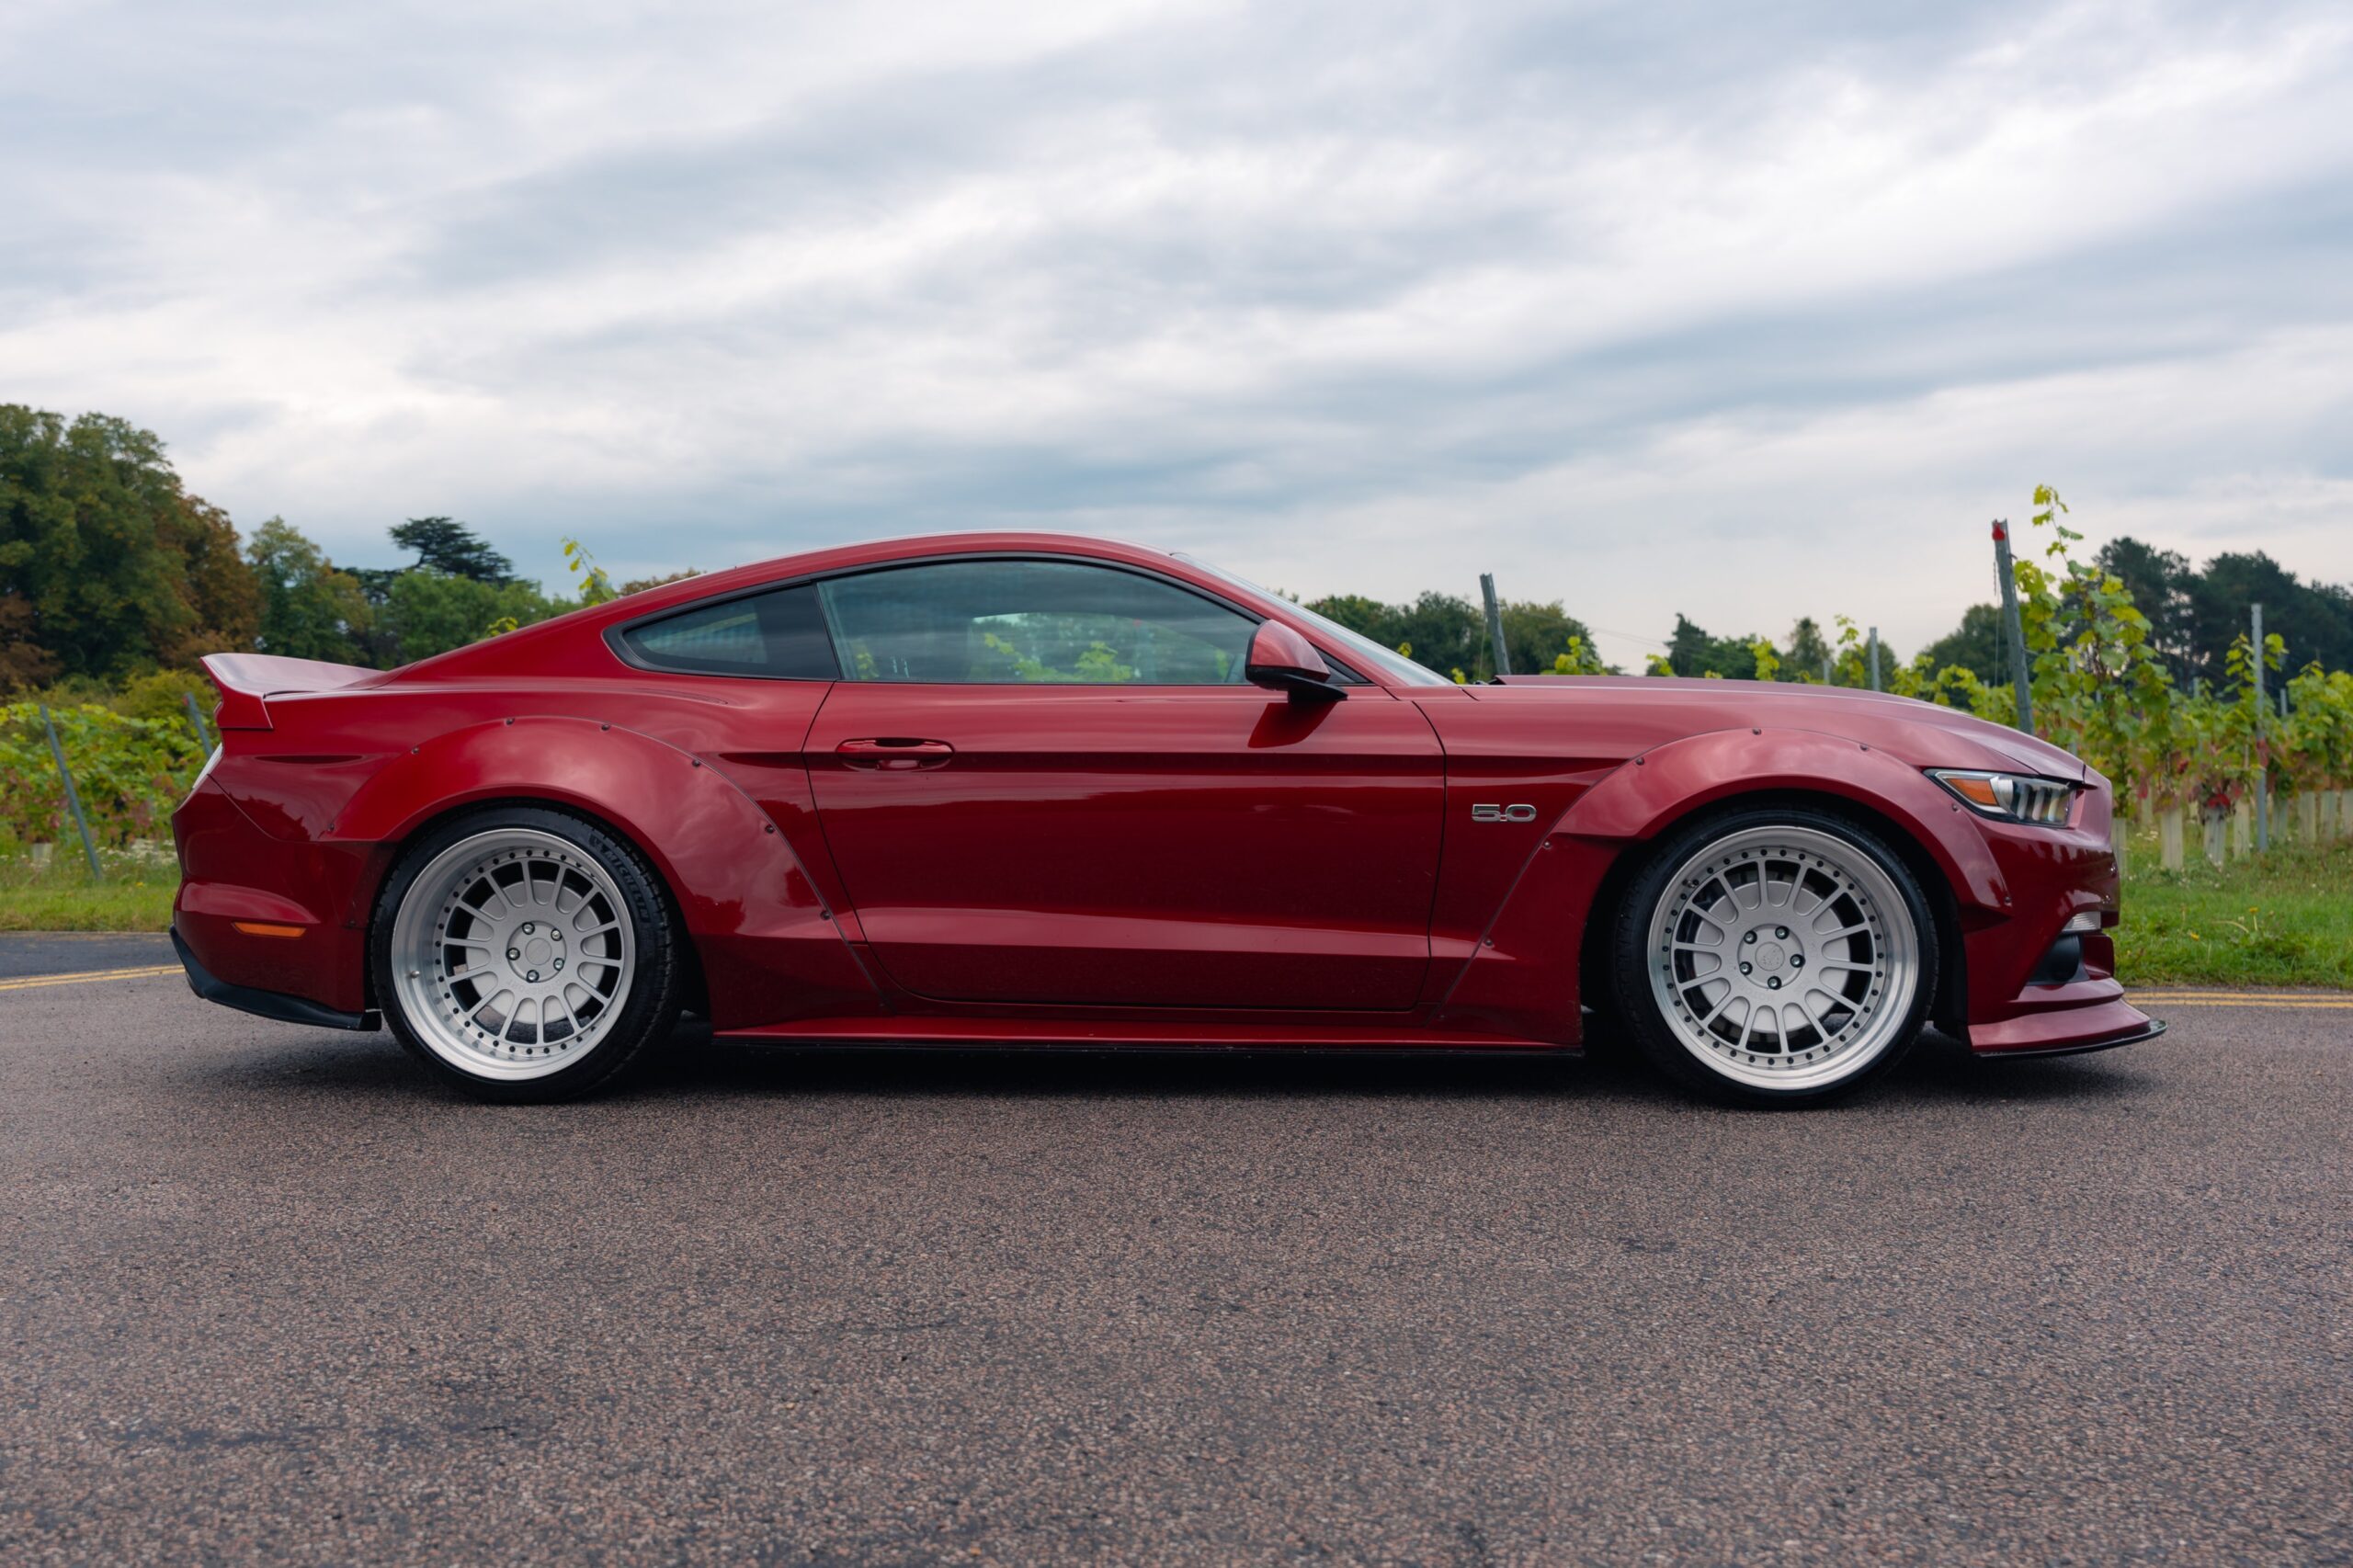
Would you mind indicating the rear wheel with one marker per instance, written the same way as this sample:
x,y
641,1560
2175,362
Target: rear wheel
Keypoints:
x,y
524,954
1774,956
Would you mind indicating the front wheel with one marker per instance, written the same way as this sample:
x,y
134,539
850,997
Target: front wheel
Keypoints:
x,y
1774,956
524,954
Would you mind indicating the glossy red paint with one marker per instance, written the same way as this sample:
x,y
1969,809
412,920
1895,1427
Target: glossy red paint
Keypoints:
x,y
1232,865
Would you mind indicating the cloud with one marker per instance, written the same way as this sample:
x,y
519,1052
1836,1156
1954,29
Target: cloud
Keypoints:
x,y
1745,315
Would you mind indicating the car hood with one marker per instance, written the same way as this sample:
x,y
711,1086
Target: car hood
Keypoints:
x,y
1921,734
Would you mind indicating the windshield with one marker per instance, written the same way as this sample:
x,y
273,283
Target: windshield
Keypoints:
x,y
1389,661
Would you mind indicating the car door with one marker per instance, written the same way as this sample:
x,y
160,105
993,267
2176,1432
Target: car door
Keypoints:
x,y
1047,780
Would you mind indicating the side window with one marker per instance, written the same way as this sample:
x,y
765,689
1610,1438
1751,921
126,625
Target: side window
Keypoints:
x,y
1032,623
780,635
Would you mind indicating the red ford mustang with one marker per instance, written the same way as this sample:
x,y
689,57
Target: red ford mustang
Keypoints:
x,y
1039,789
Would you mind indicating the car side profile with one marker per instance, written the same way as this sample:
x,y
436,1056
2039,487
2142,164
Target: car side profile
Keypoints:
x,y
1034,790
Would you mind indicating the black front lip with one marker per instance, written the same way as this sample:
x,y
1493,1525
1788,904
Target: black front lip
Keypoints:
x,y
266,1004
2155,1028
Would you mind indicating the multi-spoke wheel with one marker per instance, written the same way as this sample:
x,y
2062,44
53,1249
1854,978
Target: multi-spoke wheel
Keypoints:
x,y
1775,956
524,954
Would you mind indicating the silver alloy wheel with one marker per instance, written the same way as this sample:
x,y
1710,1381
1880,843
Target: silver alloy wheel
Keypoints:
x,y
1783,958
513,954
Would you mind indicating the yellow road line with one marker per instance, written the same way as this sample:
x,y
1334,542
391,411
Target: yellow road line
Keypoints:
x,y
27,982
2313,1007
2250,995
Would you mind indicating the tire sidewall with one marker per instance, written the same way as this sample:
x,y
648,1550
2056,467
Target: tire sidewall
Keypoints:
x,y
653,1004
1629,951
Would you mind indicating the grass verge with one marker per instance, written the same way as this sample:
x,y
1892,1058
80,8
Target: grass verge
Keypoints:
x,y
2284,919
135,896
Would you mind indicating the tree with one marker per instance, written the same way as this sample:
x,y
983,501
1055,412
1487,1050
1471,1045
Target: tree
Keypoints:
x,y
639,585
2161,583
427,612
2314,620
1442,632
1369,617
1536,635
1437,631
1692,652
445,545
1975,645
220,589
309,609
1809,650
23,661
119,568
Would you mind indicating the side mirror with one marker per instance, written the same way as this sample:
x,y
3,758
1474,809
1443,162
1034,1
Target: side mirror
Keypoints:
x,y
1281,660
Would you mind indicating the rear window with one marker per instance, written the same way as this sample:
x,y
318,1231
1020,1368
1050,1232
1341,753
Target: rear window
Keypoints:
x,y
780,635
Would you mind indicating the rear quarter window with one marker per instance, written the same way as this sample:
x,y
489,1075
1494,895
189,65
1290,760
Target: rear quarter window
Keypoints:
x,y
777,635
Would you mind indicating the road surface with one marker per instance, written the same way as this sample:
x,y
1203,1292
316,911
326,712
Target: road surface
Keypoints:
x,y
270,1294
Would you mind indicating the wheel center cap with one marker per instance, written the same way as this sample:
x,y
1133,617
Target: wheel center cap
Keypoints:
x,y
1770,956
535,952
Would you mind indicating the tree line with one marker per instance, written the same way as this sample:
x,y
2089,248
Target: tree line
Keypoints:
x,y
2194,617
110,568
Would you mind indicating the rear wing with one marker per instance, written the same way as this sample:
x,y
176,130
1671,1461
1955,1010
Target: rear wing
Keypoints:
x,y
248,681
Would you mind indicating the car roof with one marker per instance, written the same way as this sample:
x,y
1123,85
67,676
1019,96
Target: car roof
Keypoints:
x,y
512,652
880,551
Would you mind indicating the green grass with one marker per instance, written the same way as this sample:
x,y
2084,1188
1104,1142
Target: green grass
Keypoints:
x,y
135,896
2285,919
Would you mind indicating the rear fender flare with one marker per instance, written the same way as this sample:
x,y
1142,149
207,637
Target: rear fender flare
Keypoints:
x,y
731,870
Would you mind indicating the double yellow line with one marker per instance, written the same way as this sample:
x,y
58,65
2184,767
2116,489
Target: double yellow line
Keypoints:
x,y
30,982
2284,1001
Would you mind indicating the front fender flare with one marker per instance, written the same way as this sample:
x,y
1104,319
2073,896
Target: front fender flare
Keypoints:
x,y
1525,977
1661,787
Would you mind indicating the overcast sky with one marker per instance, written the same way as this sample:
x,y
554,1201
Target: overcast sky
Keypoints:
x,y
1645,307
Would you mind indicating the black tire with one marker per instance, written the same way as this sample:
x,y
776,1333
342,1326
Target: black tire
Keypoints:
x,y
645,1016
1638,1002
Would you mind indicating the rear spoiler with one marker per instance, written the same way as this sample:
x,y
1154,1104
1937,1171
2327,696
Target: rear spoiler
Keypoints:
x,y
248,681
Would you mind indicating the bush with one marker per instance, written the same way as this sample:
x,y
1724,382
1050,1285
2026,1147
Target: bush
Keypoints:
x,y
131,773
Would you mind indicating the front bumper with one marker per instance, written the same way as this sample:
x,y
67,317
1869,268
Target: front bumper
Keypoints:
x,y
2018,1004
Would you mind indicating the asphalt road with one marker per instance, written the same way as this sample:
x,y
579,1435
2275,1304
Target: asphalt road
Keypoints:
x,y
267,1293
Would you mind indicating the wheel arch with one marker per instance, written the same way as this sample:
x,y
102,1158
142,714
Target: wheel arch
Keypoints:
x,y
390,852
763,939
1948,1006
1530,973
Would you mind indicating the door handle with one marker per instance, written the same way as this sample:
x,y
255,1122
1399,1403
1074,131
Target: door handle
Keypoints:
x,y
896,754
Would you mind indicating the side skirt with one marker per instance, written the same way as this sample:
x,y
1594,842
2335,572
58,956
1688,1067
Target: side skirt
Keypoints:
x,y
1096,1034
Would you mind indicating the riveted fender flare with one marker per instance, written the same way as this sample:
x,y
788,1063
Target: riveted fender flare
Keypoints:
x,y
730,872
1661,787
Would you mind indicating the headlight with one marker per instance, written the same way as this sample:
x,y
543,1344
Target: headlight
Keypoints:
x,y
2013,797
